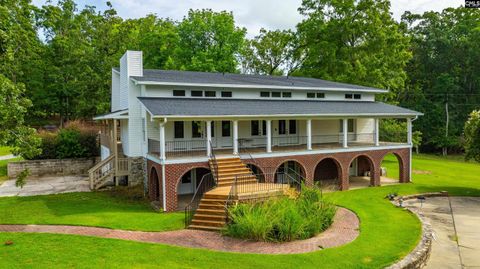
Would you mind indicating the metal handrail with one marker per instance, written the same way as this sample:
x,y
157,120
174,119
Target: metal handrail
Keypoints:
x,y
214,161
203,187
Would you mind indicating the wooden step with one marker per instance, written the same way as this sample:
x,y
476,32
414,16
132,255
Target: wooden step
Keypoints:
x,y
206,228
229,165
233,170
234,174
216,212
211,223
212,206
202,217
218,197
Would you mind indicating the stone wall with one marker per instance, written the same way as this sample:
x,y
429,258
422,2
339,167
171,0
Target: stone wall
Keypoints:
x,y
51,167
137,171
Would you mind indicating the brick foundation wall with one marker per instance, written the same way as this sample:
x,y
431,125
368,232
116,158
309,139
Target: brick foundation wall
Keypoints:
x,y
369,161
51,167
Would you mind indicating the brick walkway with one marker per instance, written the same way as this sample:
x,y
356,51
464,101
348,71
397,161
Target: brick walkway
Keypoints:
x,y
343,230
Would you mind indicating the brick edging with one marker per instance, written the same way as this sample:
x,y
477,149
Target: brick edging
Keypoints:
x,y
418,257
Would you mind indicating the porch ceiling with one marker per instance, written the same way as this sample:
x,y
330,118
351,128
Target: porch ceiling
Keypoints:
x,y
249,108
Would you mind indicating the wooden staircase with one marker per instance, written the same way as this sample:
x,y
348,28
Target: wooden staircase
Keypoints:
x,y
102,173
211,214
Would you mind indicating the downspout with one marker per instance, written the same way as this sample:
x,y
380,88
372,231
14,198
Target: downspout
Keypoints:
x,y
164,192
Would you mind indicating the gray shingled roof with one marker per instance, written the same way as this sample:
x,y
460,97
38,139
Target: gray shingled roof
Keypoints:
x,y
182,77
159,106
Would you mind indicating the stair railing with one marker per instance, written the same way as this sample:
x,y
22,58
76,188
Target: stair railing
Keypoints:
x,y
214,162
206,184
101,170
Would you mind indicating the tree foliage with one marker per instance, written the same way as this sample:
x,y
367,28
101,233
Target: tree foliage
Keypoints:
x,y
443,73
354,41
472,136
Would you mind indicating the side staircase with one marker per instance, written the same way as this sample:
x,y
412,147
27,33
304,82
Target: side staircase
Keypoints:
x,y
211,211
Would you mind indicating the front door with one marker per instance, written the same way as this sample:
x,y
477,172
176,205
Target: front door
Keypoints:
x,y
352,170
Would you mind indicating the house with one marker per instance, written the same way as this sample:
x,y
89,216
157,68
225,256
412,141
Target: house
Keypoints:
x,y
169,129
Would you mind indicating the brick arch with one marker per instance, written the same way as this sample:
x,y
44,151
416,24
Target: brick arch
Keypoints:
x,y
155,191
302,166
403,159
175,173
339,166
260,173
375,170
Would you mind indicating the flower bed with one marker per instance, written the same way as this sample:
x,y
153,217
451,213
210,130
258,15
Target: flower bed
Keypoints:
x,y
282,219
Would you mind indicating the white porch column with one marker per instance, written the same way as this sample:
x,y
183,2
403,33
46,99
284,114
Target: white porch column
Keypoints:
x,y
235,137
269,135
409,130
162,140
345,133
309,134
209,137
377,133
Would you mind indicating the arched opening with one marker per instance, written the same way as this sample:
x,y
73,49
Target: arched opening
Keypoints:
x,y
154,186
328,174
361,172
290,172
257,172
390,169
187,185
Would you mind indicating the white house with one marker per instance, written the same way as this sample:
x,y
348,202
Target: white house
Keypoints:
x,y
171,128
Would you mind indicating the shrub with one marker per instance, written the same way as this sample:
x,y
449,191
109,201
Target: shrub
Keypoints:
x,y
282,219
76,140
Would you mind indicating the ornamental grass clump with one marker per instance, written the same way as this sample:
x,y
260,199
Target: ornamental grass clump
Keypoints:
x,y
281,219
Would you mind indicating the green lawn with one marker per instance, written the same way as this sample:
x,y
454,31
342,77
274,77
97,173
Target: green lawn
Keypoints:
x,y
5,151
3,169
387,233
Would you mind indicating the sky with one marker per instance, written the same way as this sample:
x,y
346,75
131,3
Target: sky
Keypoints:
x,y
251,14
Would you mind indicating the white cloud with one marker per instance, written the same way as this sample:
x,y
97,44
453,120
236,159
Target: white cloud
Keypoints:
x,y
251,14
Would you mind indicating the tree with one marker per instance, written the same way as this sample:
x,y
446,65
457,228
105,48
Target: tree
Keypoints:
x,y
472,136
209,41
443,73
13,106
270,53
355,42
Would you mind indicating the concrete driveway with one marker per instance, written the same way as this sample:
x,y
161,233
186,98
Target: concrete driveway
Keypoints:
x,y
456,225
46,185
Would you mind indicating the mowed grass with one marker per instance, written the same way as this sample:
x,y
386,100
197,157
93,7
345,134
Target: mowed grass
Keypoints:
x,y
5,151
100,209
3,169
387,233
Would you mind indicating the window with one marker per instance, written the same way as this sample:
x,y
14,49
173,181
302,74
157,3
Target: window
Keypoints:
x,y
310,95
196,129
292,126
282,128
276,94
210,94
320,95
286,94
264,127
178,93
348,96
264,94
187,178
226,94
226,128
357,96
254,128
197,93
351,126
212,129
178,129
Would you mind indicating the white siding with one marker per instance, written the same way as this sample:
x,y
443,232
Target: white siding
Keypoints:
x,y
115,91
167,91
124,135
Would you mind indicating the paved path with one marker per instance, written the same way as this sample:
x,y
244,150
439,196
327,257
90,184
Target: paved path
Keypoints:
x,y
46,185
459,221
343,230
7,157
